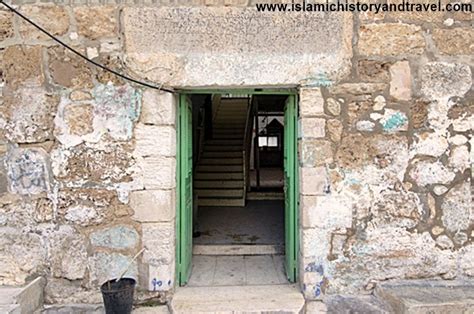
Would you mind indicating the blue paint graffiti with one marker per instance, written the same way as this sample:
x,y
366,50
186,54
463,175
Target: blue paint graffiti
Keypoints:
x,y
319,80
156,283
318,288
394,122
314,268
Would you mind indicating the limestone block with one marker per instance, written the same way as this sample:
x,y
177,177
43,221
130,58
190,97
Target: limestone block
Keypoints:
x,y
158,108
454,41
69,70
161,277
333,106
429,144
325,212
312,127
153,140
425,173
315,247
400,84
6,25
23,65
68,253
373,70
23,254
334,128
442,79
106,266
96,22
249,48
316,307
53,18
467,260
313,181
153,205
116,237
415,16
459,158
29,115
79,118
157,172
159,240
315,152
358,88
311,102
390,39
457,209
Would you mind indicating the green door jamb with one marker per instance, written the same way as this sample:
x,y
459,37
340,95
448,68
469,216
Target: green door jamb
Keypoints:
x,y
291,188
184,185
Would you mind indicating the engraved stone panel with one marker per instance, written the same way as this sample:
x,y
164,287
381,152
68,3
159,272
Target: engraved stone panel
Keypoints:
x,y
236,46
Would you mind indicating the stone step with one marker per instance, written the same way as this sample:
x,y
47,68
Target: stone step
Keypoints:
x,y
427,296
221,161
25,299
219,168
229,126
238,299
220,154
238,249
218,184
218,176
225,142
222,148
230,136
353,304
265,196
228,202
227,131
219,193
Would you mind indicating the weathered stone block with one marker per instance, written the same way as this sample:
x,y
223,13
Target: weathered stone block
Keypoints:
x,y
6,25
29,114
334,128
157,172
153,205
454,41
107,266
28,171
68,253
429,144
23,65
457,208
312,127
80,119
313,181
53,18
153,140
425,173
159,108
116,237
400,84
326,212
96,22
459,158
316,152
442,79
390,39
158,239
249,48
373,70
69,70
315,248
333,106
161,277
358,88
311,102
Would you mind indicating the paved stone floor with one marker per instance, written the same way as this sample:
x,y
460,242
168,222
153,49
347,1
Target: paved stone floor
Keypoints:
x,y
237,270
260,222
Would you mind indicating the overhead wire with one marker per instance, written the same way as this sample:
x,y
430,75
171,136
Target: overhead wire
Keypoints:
x,y
103,67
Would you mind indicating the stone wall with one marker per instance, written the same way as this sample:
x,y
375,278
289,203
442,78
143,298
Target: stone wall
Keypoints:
x,y
88,160
385,158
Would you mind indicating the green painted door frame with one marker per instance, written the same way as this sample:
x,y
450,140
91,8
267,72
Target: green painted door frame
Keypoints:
x,y
184,179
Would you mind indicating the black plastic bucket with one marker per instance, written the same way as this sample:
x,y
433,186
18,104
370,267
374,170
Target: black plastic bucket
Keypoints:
x,y
118,296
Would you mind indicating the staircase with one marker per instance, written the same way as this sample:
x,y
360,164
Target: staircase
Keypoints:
x,y
219,177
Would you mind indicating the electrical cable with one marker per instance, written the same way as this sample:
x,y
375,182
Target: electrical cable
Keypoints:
x,y
160,87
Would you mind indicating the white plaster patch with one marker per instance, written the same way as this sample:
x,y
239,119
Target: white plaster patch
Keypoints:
x,y
429,144
425,173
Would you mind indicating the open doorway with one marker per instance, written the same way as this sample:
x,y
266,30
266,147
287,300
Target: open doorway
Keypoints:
x,y
237,188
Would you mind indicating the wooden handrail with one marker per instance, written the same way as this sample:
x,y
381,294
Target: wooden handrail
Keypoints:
x,y
247,145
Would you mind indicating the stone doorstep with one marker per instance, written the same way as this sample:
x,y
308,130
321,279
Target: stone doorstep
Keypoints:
x,y
98,309
428,296
238,299
25,299
235,249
